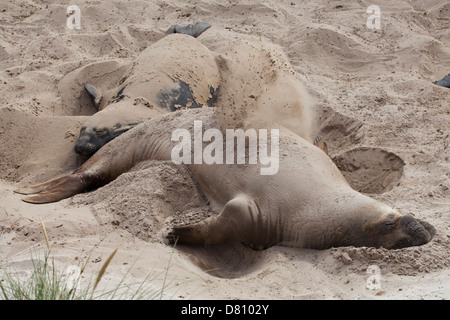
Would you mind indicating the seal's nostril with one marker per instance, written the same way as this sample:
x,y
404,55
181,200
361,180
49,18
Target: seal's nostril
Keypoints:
x,y
419,234
431,230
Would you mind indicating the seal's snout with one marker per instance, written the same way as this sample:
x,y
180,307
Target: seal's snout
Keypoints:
x,y
82,145
418,232
84,149
90,141
78,148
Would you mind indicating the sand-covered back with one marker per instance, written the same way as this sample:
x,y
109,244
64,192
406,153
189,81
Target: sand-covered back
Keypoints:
x,y
385,121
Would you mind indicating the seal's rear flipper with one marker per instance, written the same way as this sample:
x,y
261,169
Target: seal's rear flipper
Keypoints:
x,y
54,190
321,144
444,82
94,94
34,189
191,29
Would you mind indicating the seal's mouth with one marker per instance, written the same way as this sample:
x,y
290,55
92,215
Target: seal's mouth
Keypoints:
x,y
85,149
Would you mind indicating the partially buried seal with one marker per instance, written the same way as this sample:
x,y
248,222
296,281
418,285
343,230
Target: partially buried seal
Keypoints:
x,y
307,203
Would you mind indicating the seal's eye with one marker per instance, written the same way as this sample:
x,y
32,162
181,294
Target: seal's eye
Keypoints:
x,y
390,223
100,132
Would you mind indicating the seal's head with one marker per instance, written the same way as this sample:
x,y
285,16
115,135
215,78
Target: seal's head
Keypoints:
x,y
405,231
107,124
393,230
93,138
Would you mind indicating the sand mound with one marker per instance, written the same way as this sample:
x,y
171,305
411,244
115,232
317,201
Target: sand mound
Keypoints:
x,y
411,261
155,195
103,75
339,131
38,138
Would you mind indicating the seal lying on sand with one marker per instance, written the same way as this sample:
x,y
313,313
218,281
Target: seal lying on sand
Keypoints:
x,y
174,73
307,203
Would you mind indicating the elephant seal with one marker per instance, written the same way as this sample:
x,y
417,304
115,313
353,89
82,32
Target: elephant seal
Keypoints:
x,y
174,73
307,203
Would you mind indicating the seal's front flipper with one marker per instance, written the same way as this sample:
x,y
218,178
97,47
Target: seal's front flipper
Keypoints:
x,y
192,234
238,222
94,94
55,190
191,29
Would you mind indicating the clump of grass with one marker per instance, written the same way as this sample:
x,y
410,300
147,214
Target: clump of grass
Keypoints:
x,y
47,283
